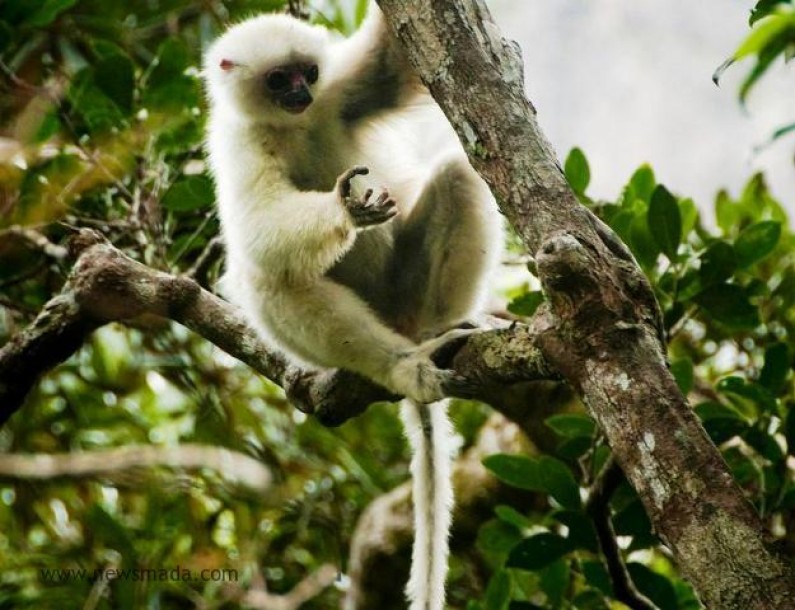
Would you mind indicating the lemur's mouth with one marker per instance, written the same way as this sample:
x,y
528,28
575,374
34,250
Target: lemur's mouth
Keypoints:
x,y
296,108
297,101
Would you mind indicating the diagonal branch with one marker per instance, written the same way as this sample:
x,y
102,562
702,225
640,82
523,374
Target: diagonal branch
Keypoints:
x,y
106,285
232,465
598,507
601,329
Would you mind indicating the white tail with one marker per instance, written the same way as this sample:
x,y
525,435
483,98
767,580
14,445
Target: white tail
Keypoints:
x,y
429,432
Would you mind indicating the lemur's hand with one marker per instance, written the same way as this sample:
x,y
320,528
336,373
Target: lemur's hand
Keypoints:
x,y
364,212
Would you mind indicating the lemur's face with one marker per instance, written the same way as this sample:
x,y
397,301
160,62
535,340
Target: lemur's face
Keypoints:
x,y
289,87
268,69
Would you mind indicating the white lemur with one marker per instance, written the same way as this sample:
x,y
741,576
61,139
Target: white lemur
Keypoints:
x,y
334,275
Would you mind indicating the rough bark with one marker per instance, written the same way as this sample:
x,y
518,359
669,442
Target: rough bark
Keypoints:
x,y
106,285
602,329
236,467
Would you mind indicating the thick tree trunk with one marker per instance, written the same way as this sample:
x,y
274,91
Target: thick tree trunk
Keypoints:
x,y
602,327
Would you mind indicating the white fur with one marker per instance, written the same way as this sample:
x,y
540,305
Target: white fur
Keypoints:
x,y
432,489
328,293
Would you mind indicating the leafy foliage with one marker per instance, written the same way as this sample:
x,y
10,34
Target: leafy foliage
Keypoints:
x,y
772,37
103,119
727,294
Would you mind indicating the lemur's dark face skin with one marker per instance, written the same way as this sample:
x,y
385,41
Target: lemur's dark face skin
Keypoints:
x,y
289,86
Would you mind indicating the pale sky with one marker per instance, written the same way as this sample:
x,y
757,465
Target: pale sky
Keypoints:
x,y
630,82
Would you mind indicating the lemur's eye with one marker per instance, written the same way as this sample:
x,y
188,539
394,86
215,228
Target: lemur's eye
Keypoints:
x,y
277,80
311,74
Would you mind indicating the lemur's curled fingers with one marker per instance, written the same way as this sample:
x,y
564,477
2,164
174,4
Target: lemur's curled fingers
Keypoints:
x,y
344,181
364,212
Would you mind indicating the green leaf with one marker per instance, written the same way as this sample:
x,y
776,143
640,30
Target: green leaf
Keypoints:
x,y
496,536
573,449
597,576
756,242
778,44
763,8
673,314
718,263
686,598
710,409
538,551
641,240
726,212
515,470
571,425
689,213
776,368
765,34
361,11
50,125
743,468
168,85
48,12
728,304
554,580
526,304
179,134
748,389
654,586
511,516
189,194
173,58
621,223
498,593
115,77
782,131
582,534
537,474
577,171
632,520
97,110
590,599
764,444
108,530
665,221
682,370
643,182
720,422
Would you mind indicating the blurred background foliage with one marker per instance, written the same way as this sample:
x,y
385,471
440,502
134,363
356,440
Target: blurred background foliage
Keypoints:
x,y
101,118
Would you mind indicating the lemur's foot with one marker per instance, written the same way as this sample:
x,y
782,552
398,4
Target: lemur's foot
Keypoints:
x,y
417,377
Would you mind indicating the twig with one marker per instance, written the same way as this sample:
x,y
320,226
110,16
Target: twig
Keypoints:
x,y
236,467
309,587
598,507
37,240
211,254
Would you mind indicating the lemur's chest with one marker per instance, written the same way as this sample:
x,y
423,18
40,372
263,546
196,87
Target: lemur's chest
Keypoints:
x,y
315,158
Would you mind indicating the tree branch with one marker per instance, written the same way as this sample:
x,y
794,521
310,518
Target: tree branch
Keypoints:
x,y
236,467
106,285
211,254
598,507
602,328
37,240
308,588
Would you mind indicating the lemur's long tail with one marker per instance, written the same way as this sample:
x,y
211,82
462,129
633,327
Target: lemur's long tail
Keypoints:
x,y
430,433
